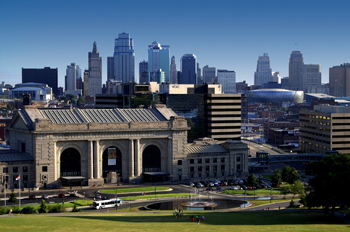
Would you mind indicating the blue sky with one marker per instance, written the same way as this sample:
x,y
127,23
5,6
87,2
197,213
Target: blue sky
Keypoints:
x,y
224,34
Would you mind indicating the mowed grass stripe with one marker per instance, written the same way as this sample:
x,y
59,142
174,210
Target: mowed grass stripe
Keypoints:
x,y
133,190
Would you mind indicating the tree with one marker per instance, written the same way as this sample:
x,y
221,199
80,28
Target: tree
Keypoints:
x,y
13,198
9,107
330,173
297,188
285,189
81,100
276,177
252,180
43,207
290,175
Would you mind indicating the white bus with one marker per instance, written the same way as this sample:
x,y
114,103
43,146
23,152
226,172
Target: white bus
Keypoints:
x,y
107,203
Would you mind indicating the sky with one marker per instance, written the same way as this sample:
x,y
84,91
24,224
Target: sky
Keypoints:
x,y
223,34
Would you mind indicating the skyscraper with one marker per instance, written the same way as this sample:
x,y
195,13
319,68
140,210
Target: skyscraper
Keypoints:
x,y
143,72
73,72
110,68
339,80
124,59
296,67
199,75
209,74
188,69
227,79
173,71
311,76
95,72
45,75
159,58
263,72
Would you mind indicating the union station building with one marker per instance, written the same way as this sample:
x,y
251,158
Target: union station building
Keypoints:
x,y
54,147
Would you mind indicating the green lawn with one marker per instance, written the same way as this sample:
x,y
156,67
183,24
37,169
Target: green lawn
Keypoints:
x,y
159,221
265,191
79,203
257,203
150,196
267,176
133,190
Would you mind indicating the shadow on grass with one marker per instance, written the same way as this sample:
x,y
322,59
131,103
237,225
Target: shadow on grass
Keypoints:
x,y
244,218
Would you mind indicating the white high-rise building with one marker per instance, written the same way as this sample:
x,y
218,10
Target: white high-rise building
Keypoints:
x,y
72,73
124,59
173,71
276,77
228,81
311,76
263,72
95,72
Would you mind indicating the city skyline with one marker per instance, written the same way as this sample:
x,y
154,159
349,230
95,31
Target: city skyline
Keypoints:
x,y
44,36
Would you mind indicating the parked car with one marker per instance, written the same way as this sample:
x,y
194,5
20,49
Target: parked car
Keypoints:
x,y
191,184
219,189
249,187
98,196
44,197
211,184
235,187
61,195
243,187
32,197
73,195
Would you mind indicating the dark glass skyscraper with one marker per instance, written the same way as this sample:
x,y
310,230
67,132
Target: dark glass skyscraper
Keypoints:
x,y
46,75
188,69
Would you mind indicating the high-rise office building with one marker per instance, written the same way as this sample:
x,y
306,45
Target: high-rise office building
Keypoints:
x,y
73,72
188,69
227,79
159,58
95,72
312,76
46,75
296,69
110,68
209,74
339,80
157,76
124,59
263,72
199,75
143,72
276,77
173,71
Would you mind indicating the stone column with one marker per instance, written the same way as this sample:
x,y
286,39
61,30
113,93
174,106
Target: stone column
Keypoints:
x,y
97,164
138,159
131,158
90,160
170,157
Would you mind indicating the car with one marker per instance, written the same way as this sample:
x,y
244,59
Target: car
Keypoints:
x,y
98,196
249,187
44,197
191,184
61,195
244,187
211,184
32,197
219,189
72,194
235,188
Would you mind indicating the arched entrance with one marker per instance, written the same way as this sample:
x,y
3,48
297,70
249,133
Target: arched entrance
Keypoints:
x,y
112,161
151,159
70,167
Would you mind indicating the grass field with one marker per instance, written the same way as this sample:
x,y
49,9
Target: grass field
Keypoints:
x,y
257,202
159,221
79,203
133,190
150,196
265,191
267,176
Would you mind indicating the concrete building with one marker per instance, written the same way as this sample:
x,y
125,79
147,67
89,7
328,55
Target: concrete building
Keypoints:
x,y
199,75
143,70
110,68
73,72
173,71
38,91
339,80
46,75
75,146
94,85
158,76
312,76
263,72
188,69
227,79
209,74
124,59
276,77
296,69
325,128
159,58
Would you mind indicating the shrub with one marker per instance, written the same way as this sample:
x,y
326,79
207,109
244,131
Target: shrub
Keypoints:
x,y
56,208
43,207
4,210
75,209
292,204
28,210
16,209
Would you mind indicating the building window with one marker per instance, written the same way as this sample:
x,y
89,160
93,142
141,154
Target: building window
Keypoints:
x,y
199,169
207,160
5,170
238,159
191,169
238,167
199,161
222,167
179,162
15,169
207,169
25,177
191,161
25,168
44,168
215,160
223,160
